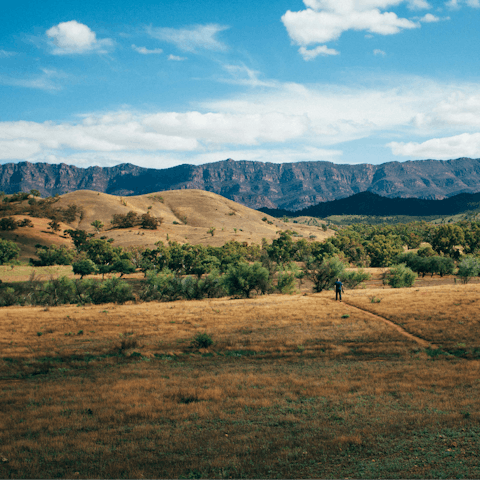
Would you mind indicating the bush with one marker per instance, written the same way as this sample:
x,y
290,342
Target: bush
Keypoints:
x,y
8,224
323,273
355,278
148,222
113,290
7,297
58,291
202,340
165,286
242,279
400,276
8,251
468,268
286,283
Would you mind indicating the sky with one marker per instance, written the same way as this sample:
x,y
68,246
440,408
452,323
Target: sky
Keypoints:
x,y
164,83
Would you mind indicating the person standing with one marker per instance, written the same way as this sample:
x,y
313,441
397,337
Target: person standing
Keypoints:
x,y
338,289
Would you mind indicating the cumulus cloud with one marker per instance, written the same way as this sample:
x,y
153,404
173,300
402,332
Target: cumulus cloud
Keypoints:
x,y
146,51
324,21
464,145
302,121
191,39
76,38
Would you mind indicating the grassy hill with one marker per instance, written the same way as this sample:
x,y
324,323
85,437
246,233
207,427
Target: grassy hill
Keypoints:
x,y
186,217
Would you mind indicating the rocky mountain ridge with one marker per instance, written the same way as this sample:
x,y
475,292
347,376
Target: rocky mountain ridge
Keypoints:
x,y
291,186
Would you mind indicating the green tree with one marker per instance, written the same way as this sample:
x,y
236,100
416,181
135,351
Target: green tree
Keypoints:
x,y
383,250
323,273
149,222
468,268
35,193
8,251
242,279
447,239
55,255
123,267
83,267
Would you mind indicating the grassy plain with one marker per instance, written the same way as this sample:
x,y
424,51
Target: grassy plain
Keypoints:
x,y
293,386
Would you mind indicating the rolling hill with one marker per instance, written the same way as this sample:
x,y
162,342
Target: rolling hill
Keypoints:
x,y
186,217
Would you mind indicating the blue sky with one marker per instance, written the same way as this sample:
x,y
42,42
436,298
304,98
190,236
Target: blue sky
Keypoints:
x,y
161,83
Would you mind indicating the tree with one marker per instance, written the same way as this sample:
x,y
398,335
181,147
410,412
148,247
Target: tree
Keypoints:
x,y
35,193
468,268
123,267
8,251
54,255
323,273
79,238
242,279
211,231
383,250
97,225
446,240
83,267
148,222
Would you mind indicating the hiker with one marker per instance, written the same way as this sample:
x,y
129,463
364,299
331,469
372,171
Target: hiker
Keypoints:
x,y
338,289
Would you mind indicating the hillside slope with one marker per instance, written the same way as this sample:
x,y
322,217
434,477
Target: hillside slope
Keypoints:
x,y
186,217
291,186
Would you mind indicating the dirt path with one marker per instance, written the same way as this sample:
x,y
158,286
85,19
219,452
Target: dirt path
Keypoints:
x,y
399,329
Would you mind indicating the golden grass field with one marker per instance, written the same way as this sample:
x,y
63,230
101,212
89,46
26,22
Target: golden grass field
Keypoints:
x,y
194,212
293,386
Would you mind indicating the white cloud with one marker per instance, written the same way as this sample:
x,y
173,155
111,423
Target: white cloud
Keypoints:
x,y
47,80
324,21
322,50
379,52
301,121
176,58
6,53
464,145
429,18
242,75
191,39
75,38
146,51
457,3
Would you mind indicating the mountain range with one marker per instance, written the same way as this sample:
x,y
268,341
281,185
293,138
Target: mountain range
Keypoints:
x,y
290,186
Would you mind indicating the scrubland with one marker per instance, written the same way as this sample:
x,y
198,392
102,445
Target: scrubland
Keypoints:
x,y
293,386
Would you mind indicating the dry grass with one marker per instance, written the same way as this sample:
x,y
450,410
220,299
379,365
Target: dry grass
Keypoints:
x,y
294,386
447,315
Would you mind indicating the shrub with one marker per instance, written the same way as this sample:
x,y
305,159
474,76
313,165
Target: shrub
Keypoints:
x,y
400,276
128,220
8,224
8,251
323,273
149,222
286,283
242,279
355,278
468,268
113,290
164,286
202,340
7,297
57,291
